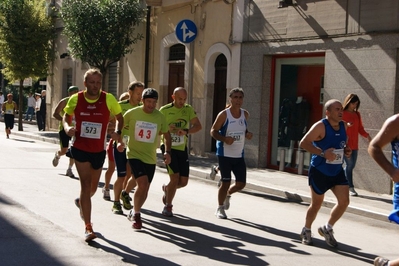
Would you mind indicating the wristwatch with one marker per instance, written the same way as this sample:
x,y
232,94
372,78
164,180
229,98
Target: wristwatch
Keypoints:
x,y
322,154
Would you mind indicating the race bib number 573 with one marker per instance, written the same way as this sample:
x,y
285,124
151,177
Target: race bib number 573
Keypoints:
x,y
91,130
145,131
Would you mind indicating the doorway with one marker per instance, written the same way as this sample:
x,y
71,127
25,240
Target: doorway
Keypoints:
x,y
176,78
297,106
219,92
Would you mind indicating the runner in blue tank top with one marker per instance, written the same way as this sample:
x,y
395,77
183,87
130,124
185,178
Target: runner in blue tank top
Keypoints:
x,y
326,140
388,133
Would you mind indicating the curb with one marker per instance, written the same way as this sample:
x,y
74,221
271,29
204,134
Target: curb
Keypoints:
x,y
36,137
295,197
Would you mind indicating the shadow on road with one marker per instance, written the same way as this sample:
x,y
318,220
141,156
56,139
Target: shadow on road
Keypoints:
x,y
128,255
16,247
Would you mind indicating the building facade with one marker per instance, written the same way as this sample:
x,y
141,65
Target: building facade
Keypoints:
x,y
290,57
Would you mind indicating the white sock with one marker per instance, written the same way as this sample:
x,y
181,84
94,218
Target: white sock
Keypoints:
x,y
329,226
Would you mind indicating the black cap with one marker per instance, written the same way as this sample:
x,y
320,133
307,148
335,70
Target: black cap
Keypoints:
x,y
150,93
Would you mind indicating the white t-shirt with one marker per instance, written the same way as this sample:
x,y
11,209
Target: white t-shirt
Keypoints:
x,y
38,103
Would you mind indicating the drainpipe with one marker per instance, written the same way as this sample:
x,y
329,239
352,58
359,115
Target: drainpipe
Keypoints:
x,y
147,47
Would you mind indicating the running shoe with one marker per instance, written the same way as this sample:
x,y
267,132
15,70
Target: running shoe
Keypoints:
x,y
167,211
328,235
126,200
220,213
394,216
106,194
352,191
306,236
130,216
89,233
56,159
226,202
381,261
137,224
213,173
164,194
117,208
70,173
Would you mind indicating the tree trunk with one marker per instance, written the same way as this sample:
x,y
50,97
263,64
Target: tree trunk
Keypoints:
x,y
20,104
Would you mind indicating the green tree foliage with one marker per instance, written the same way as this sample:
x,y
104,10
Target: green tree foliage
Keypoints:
x,y
26,35
100,32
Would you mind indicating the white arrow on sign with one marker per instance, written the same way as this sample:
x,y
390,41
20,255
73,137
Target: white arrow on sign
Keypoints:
x,y
186,32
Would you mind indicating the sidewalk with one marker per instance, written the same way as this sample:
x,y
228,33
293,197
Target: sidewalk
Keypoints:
x,y
282,184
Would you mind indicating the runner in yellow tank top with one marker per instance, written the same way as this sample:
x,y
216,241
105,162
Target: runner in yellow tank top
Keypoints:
x,y
8,109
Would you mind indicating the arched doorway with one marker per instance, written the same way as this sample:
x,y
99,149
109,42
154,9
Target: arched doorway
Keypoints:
x,y
219,92
176,70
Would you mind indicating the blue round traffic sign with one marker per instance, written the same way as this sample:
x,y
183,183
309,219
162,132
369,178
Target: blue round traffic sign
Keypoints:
x,y
186,31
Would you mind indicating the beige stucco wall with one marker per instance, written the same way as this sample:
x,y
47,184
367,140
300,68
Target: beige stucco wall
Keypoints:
x,y
213,21
57,83
131,67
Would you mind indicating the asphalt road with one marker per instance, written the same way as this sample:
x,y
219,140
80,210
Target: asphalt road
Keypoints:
x,y
40,225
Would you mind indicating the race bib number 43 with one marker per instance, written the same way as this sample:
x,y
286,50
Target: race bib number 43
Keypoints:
x,y
145,131
91,130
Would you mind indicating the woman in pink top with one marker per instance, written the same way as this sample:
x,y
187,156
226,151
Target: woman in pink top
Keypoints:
x,y
355,127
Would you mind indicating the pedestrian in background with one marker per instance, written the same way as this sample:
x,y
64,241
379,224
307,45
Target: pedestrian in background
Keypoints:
x,y
30,111
230,131
354,127
39,119
63,137
91,109
1,101
388,134
326,140
9,108
182,120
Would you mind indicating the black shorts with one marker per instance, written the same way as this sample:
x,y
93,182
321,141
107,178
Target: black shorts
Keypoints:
x,y
235,165
64,139
320,182
9,121
96,159
120,161
140,169
179,163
